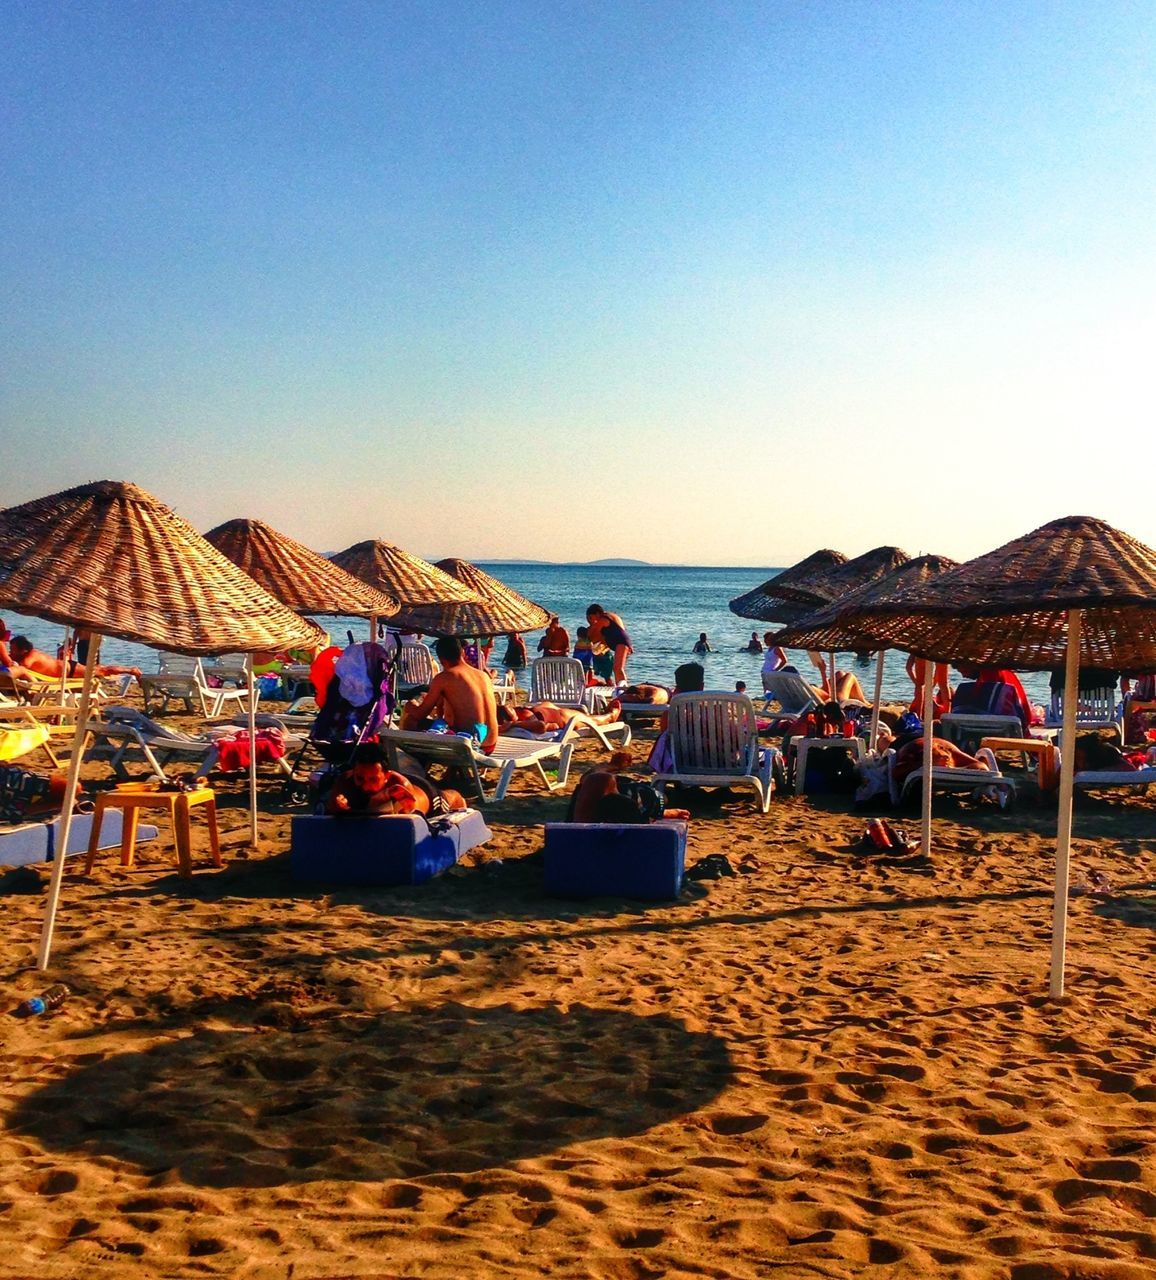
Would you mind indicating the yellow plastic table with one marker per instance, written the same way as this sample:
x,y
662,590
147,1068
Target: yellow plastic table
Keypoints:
x,y
132,797
1045,753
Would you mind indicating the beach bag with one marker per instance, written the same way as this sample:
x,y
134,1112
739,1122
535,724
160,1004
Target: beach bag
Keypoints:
x,y
830,772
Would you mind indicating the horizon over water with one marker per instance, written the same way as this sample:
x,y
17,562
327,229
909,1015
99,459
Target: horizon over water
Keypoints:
x,y
664,608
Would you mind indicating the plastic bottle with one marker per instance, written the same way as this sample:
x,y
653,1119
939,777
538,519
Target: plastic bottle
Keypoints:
x,y
53,998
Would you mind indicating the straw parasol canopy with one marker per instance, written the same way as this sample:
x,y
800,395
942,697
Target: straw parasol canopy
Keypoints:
x,y
501,609
1075,592
112,559
824,627
297,576
823,588
410,580
1009,608
765,604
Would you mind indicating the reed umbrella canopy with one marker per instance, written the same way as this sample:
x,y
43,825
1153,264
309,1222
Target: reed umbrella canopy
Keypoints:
x,y
1009,608
300,578
113,559
409,579
502,610
764,604
824,628
823,588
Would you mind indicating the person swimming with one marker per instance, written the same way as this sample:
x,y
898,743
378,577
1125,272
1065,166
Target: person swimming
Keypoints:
x,y
702,644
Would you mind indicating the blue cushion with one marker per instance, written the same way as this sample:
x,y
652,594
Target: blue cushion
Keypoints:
x,y
394,849
36,841
593,859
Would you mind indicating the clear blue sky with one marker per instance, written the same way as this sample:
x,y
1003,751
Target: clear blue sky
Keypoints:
x,y
694,282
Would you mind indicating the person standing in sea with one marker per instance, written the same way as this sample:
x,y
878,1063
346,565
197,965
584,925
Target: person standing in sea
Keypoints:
x,y
610,630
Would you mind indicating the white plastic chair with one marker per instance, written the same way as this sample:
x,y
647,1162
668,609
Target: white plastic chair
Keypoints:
x,y
415,668
789,692
714,742
1095,709
561,681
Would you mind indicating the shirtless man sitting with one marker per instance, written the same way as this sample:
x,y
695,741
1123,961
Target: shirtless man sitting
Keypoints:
x,y
461,694
24,655
544,717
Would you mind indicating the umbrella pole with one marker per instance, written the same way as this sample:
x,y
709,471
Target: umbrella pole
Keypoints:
x,y
70,788
928,736
833,696
874,738
252,684
65,655
1064,824
372,627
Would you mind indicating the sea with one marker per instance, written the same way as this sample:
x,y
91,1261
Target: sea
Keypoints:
x,y
664,607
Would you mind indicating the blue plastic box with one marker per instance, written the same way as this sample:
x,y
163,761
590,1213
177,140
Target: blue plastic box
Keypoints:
x,y
599,860
391,850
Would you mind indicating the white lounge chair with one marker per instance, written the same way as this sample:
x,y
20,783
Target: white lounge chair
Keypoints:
x,y
714,741
977,782
181,677
787,694
580,726
561,681
506,687
229,668
509,755
1090,779
415,668
1095,709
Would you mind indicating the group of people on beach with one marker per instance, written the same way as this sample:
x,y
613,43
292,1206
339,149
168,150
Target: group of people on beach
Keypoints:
x,y
19,658
602,646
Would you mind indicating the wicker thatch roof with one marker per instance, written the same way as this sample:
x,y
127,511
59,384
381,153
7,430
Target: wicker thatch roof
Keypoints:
x,y
1009,607
824,628
850,576
411,580
297,576
110,557
500,608
765,604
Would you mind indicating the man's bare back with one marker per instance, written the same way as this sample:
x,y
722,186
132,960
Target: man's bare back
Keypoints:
x,y
464,696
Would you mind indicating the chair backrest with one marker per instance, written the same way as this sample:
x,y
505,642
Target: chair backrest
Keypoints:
x,y
414,664
713,733
793,694
179,664
1091,704
560,680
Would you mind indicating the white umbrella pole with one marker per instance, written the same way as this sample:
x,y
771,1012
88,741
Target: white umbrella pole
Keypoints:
x,y
834,696
1064,825
69,800
928,735
874,738
252,683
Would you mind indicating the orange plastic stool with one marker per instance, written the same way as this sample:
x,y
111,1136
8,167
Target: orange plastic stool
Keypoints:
x,y
132,797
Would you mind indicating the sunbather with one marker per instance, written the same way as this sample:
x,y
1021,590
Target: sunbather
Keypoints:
x,y
543,717
461,694
944,755
368,787
24,655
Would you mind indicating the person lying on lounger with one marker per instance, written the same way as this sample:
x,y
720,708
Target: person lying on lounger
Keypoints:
x,y
368,787
24,655
944,755
544,717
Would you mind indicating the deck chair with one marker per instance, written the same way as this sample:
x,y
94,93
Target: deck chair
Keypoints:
x,y
1095,709
175,680
787,694
558,680
613,736
977,782
229,668
1090,779
51,726
31,689
506,687
125,733
714,741
415,668
508,756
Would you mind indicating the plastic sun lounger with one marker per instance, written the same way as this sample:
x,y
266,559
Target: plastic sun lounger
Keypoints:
x,y
1092,778
975,781
714,739
581,726
508,756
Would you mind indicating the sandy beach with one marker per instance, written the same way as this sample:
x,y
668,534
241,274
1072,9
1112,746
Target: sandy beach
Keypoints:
x,y
829,1064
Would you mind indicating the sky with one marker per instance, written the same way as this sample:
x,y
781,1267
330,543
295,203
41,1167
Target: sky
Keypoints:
x,y
704,283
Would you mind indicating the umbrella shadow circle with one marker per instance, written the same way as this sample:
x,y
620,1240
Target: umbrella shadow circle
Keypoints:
x,y
450,1089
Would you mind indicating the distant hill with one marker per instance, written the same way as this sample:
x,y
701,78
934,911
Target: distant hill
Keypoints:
x,y
592,564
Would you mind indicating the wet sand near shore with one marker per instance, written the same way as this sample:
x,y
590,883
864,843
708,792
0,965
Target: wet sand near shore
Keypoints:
x,y
828,1065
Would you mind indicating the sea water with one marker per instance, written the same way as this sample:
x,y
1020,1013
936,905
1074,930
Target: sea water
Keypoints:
x,y
664,609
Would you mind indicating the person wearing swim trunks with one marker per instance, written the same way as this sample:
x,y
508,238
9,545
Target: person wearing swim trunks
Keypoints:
x,y
611,631
556,642
544,717
367,787
459,693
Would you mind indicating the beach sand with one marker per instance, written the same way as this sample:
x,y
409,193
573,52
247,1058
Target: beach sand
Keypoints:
x,y
827,1065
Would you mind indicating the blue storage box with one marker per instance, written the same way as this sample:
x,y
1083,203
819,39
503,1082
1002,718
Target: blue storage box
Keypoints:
x,y
597,860
33,842
388,850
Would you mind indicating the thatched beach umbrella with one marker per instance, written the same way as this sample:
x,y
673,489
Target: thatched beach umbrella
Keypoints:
x,y
409,579
1075,592
112,559
300,578
499,608
765,603
850,576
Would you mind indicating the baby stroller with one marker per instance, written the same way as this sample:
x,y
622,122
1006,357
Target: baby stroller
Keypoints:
x,y
359,699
